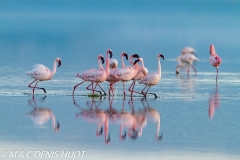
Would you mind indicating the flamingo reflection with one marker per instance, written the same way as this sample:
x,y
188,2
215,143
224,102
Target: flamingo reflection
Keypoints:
x,y
214,102
95,115
41,116
152,115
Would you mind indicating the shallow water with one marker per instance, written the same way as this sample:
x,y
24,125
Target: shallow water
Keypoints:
x,y
198,117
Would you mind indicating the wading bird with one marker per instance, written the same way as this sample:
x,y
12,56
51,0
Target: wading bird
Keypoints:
x,y
152,78
142,72
84,75
42,73
127,73
214,59
187,57
111,78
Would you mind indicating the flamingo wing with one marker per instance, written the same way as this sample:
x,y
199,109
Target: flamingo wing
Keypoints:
x,y
150,79
40,72
125,74
98,75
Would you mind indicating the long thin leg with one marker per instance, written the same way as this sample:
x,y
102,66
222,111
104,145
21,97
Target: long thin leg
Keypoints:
x,y
101,89
188,69
194,69
94,89
35,86
110,89
146,91
76,87
149,93
143,89
217,73
124,93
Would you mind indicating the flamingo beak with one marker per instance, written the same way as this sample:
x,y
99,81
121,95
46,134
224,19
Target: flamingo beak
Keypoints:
x,y
162,56
135,56
102,60
125,55
110,52
136,61
59,63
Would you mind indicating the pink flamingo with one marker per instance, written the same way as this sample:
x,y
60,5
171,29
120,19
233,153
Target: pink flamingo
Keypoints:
x,y
214,59
187,57
100,75
42,73
142,72
111,78
152,78
127,73
84,75
96,75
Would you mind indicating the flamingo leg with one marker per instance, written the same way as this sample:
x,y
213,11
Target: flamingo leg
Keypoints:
x,y
76,87
124,93
217,73
35,86
94,89
111,88
188,69
143,89
101,89
194,69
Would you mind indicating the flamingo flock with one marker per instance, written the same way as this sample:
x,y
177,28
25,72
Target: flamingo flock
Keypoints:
x,y
133,72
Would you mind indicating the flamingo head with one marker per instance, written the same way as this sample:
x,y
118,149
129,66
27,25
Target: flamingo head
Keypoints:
x,y
160,55
57,128
125,55
134,134
101,57
138,60
107,141
159,138
188,50
135,56
109,51
123,137
59,61
212,50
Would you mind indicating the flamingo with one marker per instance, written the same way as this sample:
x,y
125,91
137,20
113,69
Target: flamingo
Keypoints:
x,y
214,102
214,59
187,57
111,78
40,116
96,116
142,72
84,75
100,75
127,73
152,78
42,73
113,63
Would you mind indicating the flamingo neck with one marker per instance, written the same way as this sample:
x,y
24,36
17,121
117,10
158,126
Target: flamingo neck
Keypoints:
x,y
100,64
54,69
107,64
159,67
123,65
106,123
131,62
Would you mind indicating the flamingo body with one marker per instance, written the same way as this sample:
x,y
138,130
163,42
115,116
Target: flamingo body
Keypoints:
x,y
214,59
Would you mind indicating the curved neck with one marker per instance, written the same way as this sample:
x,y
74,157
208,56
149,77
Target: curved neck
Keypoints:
x,y
106,123
159,67
131,62
158,128
53,121
54,69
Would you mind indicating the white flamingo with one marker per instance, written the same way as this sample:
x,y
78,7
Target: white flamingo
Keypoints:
x,y
42,73
152,78
187,57
127,73
84,75
142,72
111,78
41,116
214,59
